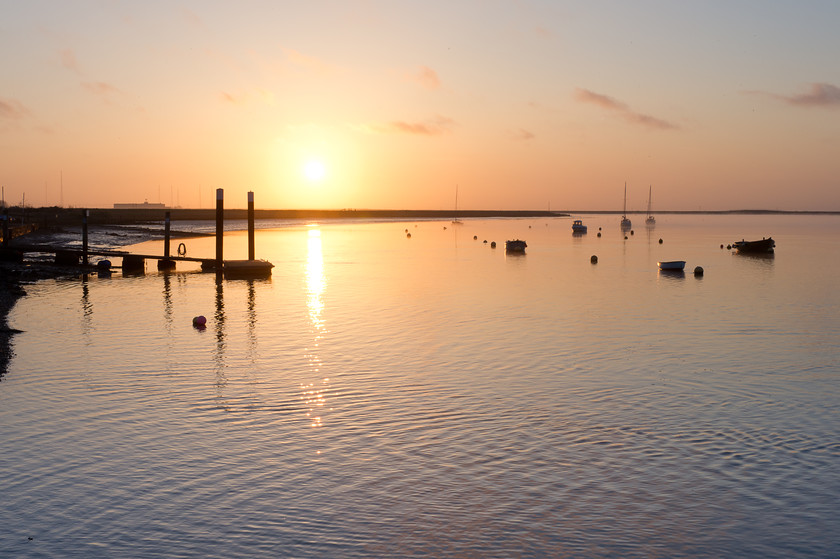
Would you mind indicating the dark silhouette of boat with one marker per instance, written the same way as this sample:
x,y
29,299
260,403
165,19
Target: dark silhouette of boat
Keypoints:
x,y
762,246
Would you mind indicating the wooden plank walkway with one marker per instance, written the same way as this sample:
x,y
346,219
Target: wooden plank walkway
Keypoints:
x,y
109,253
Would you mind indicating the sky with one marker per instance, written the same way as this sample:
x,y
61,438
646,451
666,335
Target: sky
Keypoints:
x,y
513,105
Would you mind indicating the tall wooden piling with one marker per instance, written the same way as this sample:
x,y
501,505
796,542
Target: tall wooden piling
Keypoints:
x,y
5,218
166,222
251,226
84,237
167,263
220,228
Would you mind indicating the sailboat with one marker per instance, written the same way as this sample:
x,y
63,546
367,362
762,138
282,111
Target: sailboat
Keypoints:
x,y
650,221
625,223
456,221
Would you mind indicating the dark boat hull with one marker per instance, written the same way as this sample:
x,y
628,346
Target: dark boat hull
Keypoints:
x,y
763,246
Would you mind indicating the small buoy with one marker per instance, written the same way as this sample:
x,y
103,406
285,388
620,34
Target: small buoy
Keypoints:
x,y
728,247
594,259
444,227
599,233
599,229
485,241
698,271
625,237
493,244
632,232
200,321
721,246
475,237
408,235
660,241
182,249
406,230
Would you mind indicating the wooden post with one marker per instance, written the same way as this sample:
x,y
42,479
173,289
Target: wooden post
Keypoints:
x,y
166,236
220,228
166,263
250,226
5,218
84,237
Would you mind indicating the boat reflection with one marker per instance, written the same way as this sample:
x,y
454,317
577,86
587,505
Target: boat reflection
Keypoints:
x,y
671,274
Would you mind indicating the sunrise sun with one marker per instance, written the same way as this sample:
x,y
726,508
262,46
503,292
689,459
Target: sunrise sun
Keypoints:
x,y
314,170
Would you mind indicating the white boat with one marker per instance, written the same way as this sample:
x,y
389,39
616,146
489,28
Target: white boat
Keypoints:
x,y
650,221
515,245
625,223
672,265
578,227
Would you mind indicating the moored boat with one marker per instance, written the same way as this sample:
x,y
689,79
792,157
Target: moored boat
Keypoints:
x,y
247,268
764,245
515,245
671,265
625,222
650,221
578,226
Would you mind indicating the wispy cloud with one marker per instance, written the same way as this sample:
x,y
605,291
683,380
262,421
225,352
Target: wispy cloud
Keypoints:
x,y
68,60
11,109
426,77
522,134
307,62
434,126
819,95
622,110
101,89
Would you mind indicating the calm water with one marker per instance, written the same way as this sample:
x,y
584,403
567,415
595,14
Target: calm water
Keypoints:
x,y
385,396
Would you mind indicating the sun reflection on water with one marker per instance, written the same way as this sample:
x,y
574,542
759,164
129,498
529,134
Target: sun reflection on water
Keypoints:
x,y
313,393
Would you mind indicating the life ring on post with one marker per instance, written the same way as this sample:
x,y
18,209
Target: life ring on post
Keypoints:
x,y
182,249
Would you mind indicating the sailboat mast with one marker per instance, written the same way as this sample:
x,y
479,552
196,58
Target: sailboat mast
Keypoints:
x,y
624,214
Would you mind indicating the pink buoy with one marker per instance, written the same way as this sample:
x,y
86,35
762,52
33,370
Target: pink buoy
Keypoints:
x,y
200,321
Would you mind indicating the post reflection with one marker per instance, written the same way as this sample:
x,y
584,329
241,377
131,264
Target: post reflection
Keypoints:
x,y
219,356
313,393
87,308
252,321
167,302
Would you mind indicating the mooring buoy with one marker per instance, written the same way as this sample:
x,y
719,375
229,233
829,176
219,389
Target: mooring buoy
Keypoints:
x,y
594,259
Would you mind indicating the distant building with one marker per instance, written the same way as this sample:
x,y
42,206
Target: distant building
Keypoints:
x,y
143,206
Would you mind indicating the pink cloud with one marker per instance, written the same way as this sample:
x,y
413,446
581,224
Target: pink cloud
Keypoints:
x,y
611,104
12,110
434,126
820,95
522,134
427,77
100,88
308,62
586,96
68,60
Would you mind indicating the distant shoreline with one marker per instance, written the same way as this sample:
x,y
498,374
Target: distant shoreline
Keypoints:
x,y
102,216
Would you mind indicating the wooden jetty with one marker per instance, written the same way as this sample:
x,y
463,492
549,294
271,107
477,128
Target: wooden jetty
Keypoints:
x,y
131,262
